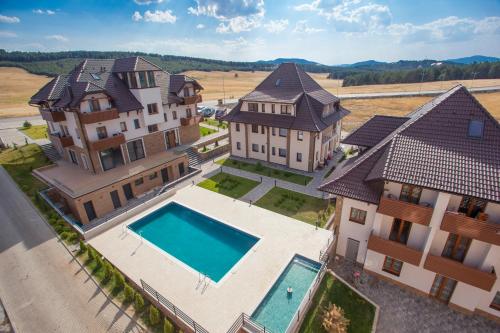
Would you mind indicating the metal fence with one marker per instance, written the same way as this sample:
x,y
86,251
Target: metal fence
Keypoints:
x,y
175,311
248,324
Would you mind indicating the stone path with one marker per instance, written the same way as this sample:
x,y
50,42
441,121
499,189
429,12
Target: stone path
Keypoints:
x,y
404,311
258,192
10,134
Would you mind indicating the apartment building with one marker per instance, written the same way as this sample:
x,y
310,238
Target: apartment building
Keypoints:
x,y
420,206
115,124
288,120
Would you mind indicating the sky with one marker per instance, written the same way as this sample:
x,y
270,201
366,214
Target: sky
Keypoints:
x,y
326,31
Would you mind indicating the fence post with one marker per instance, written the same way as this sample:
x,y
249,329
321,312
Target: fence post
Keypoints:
x,y
175,311
194,325
157,297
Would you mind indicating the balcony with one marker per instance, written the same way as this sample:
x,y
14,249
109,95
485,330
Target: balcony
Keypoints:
x,y
191,120
61,140
405,211
460,272
109,142
394,249
53,116
99,116
461,224
192,99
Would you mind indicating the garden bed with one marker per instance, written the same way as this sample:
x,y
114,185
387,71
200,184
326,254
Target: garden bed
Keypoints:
x,y
232,186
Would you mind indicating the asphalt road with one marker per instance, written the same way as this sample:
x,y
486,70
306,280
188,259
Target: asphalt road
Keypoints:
x,y
41,286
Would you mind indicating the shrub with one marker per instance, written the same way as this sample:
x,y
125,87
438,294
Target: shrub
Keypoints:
x,y
259,166
98,261
167,326
128,294
119,281
154,315
138,302
73,238
107,272
90,253
334,320
26,124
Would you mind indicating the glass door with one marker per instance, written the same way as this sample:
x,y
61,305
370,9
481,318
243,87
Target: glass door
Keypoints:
x,y
456,247
442,288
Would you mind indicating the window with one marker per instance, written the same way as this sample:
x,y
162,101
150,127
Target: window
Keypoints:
x,y
95,76
272,108
94,105
282,152
72,156
285,109
273,151
299,157
495,304
89,209
188,113
181,169
137,124
262,130
357,215
151,79
255,128
186,92
123,126
174,115
283,132
410,193
84,161
135,150
237,127
476,128
300,135
392,266
133,81
165,117
255,147
263,108
152,108
400,231
253,107
153,128
154,175
111,158
263,149
273,131
101,132
139,181
238,145
142,79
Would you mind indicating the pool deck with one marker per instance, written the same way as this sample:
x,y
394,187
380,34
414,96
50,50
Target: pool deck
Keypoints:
x,y
245,285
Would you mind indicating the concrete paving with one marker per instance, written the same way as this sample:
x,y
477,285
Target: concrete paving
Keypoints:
x,y
10,134
41,285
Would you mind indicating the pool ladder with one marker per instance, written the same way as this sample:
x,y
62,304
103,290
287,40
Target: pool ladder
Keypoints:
x,y
203,278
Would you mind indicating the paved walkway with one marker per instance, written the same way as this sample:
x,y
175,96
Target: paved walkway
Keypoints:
x,y
258,192
42,287
10,134
404,311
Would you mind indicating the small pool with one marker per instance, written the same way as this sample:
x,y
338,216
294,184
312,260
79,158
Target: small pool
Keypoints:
x,y
204,244
278,307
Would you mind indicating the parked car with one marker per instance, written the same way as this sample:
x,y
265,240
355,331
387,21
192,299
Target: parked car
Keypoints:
x,y
207,112
199,108
220,113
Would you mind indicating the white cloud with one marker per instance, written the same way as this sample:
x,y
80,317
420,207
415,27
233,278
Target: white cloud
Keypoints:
x,y
59,38
9,19
276,26
234,15
200,26
7,34
147,2
158,16
44,12
302,27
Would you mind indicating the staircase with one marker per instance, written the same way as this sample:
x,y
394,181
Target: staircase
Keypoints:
x,y
50,151
194,158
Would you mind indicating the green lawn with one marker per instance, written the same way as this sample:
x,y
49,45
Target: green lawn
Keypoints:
x,y
35,132
232,186
213,122
359,312
297,205
206,131
266,171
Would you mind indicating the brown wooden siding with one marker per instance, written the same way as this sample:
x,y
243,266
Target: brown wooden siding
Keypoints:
x,y
192,99
63,141
99,116
405,210
53,116
473,228
191,120
457,271
109,142
394,249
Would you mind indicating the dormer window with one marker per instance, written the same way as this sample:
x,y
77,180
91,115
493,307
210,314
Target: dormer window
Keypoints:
x,y
286,109
142,79
151,79
133,81
95,76
278,82
476,128
253,107
94,105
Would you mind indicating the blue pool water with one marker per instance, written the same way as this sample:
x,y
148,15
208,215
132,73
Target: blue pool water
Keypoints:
x,y
206,245
278,307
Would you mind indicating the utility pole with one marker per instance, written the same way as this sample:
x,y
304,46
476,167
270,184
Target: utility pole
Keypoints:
x,y
473,77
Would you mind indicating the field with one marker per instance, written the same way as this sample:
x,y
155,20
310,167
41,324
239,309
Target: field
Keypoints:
x,y
16,88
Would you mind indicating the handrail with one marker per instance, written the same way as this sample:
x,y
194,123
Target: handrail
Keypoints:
x,y
178,313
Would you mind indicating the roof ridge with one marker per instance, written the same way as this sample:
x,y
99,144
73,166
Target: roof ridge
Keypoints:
x,y
300,79
54,86
81,70
149,62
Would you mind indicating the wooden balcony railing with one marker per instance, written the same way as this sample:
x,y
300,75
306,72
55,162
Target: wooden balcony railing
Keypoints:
x,y
53,116
191,120
62,140
109,142
457,271
461,224
192,99
99,116
405,211
395,250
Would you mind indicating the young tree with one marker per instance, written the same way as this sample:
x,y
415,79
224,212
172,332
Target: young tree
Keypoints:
x,y
154,315
138,302
128,293
108,272
83,246
119,281
334,320
167,326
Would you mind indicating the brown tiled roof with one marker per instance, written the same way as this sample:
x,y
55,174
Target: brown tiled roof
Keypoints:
x,y
290,84
431,149
133,64
374,130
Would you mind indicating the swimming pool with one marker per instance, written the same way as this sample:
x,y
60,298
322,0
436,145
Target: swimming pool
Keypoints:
x,y
277,309
204,244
